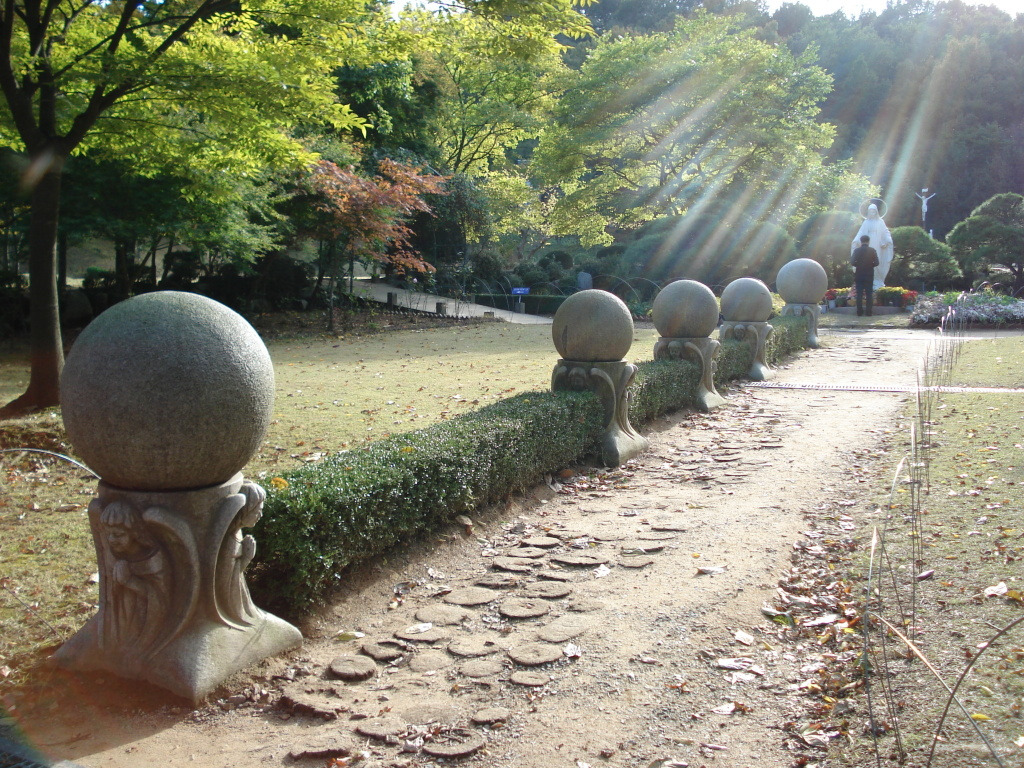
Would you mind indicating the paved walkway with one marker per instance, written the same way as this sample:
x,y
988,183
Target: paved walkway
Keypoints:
x,y
428,303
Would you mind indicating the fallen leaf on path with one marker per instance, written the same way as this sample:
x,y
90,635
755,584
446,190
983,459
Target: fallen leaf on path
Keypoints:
x,y
743,637
346,635
710,570
739,662
997,590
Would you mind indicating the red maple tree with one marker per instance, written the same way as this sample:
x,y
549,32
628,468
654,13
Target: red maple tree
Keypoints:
x,y
368,217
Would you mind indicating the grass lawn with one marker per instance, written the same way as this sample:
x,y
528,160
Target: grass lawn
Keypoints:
x,y
967,582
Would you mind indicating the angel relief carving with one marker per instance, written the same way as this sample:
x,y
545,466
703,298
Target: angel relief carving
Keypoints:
x,y
147,578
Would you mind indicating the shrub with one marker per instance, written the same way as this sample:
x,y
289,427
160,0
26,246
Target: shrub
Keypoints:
x,y
322,517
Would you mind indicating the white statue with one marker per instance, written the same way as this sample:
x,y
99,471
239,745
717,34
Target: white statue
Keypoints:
x,y
925,197
880,239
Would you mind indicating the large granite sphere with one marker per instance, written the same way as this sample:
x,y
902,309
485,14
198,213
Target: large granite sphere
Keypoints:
x,y
747,300
802,281
167,391
593,325
685,309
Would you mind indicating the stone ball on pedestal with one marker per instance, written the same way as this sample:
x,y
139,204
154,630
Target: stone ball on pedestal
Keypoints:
x,y
167,391
747,300
593,325
802,281
685,309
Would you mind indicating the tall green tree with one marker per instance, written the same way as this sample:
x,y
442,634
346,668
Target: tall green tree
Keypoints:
x,y
652,125
130,75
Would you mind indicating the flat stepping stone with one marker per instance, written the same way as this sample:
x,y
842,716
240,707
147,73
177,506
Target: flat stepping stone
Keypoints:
x,y
490,716
553,575
477,668
527,552
383,652
636,562
544,542
523,608
579,561
381,728
532,679
569,535
444,615
670,527
549,590
606,536
586,605
471,596
432,635
430,661
497,581
535,654
352,669
562,629
460,743
472,646
655,536
512,564
431,711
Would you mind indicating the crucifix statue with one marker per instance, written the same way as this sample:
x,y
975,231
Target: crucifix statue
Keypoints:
x,y
925,197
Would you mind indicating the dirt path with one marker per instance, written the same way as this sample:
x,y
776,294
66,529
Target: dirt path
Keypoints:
x,y
643,640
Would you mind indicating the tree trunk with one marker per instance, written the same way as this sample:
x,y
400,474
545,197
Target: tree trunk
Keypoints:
x,y
123,268
47,349
62,263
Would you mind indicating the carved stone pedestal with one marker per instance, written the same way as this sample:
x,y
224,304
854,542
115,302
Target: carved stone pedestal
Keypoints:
x,y
809,311
756,334
701,351
174,607
610,381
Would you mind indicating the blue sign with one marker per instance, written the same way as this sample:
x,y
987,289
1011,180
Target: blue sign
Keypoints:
x,y
520,291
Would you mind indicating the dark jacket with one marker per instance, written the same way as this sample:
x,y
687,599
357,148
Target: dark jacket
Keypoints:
x,y
864,260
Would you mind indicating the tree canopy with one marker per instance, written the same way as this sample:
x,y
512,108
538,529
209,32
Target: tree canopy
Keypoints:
x,y
991,240
654,124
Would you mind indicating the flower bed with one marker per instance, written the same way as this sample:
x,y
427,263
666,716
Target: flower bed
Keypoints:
x,y
981,307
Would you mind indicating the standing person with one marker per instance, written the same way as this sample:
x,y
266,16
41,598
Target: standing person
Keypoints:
x,y
864,261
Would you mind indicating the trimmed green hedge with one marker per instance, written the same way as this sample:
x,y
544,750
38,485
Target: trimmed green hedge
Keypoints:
x,y
356,504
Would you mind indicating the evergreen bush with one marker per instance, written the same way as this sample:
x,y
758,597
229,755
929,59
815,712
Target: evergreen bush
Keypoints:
x,y
322,517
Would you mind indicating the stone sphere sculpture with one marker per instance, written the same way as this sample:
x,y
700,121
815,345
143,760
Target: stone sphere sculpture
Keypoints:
x,y
167,391
802,281
747,300
685,309
593,325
